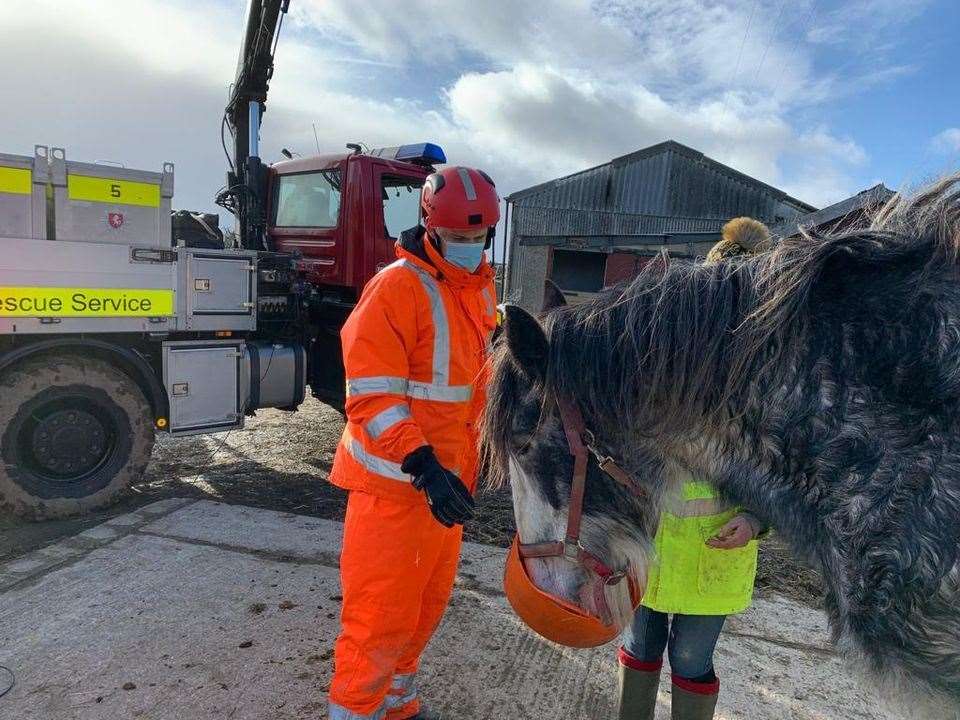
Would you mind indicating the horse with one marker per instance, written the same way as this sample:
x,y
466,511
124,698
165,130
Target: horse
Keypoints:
x,y
817,384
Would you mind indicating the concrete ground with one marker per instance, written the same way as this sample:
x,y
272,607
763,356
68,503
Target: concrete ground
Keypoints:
x,y
197,610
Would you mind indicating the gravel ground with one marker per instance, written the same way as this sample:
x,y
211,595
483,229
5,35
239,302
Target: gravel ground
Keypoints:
x,y
280,461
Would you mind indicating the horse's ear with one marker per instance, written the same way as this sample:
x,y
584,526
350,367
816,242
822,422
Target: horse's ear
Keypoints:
x,y
526,341
552,296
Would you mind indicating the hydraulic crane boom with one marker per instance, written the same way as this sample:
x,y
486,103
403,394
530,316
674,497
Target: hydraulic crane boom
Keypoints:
x,y
245,193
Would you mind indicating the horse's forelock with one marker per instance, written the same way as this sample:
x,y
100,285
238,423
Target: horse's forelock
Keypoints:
x,y
505,394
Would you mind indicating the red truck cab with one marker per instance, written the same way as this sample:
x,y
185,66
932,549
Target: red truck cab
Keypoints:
x,y
342,214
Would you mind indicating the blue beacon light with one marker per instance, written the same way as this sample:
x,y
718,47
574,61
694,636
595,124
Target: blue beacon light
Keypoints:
x,y
418,153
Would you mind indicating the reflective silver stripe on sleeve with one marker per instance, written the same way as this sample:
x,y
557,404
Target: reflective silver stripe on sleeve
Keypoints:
x,y
467,181
375,464
441,328
386,385
383,421
441,393
377,385
338,712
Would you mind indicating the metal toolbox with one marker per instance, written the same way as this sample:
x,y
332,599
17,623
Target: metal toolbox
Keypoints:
x,y
109,204
220,284
206,384
219,289
23,198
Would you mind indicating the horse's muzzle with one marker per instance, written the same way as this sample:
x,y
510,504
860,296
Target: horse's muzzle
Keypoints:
x,y
565,622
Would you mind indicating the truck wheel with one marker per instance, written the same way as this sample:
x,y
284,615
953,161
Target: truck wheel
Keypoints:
x,y
74,434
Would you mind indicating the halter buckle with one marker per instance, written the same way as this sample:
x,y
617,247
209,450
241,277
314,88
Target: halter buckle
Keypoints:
x,y
602,460
614,578
571,550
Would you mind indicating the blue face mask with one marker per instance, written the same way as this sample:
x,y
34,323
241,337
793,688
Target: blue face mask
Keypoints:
x,y
465,255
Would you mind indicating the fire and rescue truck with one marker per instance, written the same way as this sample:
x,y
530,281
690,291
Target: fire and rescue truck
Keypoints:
x,y
113,327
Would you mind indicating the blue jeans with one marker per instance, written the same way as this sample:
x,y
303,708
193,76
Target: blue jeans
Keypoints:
x,y
691,640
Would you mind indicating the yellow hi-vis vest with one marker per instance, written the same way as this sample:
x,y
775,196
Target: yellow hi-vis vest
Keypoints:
x,y
689,577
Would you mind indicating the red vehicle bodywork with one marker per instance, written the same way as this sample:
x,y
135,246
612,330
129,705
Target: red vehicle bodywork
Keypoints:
x,y
348,255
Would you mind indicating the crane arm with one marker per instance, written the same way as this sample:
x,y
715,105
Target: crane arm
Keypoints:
x,y
245,191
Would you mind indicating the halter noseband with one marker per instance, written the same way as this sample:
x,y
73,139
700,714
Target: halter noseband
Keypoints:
x,y
570,547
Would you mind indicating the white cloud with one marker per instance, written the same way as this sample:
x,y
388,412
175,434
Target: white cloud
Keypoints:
x,y
867,23
502,30
527,90
144,82
558,124
946,142
572,83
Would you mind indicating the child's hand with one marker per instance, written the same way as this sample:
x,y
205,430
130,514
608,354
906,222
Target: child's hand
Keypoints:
x,y
735,534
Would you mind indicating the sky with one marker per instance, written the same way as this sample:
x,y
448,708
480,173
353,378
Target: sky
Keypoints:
x,y
819,98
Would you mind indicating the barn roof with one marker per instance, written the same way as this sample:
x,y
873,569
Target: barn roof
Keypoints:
x,y
669,146
864,200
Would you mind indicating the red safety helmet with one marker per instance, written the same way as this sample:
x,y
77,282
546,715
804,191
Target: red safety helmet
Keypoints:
x,y
460,198
554,618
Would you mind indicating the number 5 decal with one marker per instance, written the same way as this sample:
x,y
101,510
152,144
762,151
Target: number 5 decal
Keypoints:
x,y
115,190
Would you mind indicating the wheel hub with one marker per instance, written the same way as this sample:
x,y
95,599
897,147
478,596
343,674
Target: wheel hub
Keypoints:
x,y
69,442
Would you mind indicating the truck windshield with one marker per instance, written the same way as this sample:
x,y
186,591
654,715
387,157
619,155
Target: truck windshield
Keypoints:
x,y
308,200
401,203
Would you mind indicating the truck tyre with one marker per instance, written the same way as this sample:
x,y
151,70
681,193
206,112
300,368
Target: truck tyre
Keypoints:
x,y
74,434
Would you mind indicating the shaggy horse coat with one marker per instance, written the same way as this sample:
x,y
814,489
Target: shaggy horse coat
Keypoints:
x,y
817,384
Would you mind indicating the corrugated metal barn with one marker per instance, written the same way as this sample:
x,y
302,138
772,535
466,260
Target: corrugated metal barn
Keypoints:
x,y
599,226
855,210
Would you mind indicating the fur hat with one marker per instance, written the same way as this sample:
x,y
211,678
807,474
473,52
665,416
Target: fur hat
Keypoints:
x,y
741,236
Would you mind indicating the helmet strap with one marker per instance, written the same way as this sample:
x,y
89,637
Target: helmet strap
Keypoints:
x,y
433,240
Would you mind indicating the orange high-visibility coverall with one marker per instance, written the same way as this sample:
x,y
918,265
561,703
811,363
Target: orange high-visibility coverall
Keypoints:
x,y
413,349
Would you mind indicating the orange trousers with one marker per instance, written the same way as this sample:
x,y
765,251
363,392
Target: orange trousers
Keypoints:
x,y
397,570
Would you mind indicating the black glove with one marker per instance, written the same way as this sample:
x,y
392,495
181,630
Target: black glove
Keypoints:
x,y
448,498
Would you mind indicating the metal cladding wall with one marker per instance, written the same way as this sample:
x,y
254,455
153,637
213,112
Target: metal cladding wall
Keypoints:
x,y
637,185
667,180
700,187
527,276
535,222
667,188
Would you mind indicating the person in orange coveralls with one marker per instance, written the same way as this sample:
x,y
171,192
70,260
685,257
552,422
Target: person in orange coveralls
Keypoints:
x,y
413,349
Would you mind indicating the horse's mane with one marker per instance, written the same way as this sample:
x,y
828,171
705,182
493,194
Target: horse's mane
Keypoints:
x,y
666,351
657,348
924,226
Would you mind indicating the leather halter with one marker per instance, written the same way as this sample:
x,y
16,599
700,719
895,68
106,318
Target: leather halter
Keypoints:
x,y
570,547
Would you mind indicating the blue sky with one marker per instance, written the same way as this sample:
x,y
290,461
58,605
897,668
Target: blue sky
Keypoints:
x,y
819,97
897,118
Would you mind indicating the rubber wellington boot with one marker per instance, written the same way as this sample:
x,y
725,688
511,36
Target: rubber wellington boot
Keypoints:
x,y
639,682
693,700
